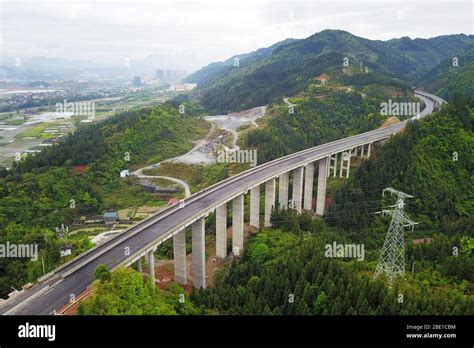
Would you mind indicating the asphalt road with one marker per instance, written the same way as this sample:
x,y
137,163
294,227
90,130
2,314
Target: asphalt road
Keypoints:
x,y
71,279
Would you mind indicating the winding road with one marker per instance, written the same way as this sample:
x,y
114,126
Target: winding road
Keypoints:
x,y
61,286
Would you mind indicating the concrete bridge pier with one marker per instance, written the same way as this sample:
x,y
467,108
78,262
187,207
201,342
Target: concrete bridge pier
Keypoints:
x,y
283,190
151,266
321,192
179,255
199,254
269,200
221,231
255,206
368,150
238,224
332,165
138,265
298,188
345,164
308,186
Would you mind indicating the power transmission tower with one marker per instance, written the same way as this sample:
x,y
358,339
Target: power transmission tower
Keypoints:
x,y
392,258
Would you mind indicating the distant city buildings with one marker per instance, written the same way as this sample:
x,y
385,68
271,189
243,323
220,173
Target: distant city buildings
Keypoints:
x,y
137,81
164,77
145,80
170,76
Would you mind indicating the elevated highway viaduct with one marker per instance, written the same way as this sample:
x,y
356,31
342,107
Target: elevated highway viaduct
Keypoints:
x,y
62,285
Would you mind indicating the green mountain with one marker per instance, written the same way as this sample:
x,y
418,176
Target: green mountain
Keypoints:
x,y
432,160
314,121
290,66
36,194
286,271
208,72
454,75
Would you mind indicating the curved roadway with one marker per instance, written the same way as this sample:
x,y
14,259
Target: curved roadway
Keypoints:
x,y
56,289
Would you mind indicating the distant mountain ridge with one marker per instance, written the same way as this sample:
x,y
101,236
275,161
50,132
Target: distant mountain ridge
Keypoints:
x,y
452,76
289,66
245,58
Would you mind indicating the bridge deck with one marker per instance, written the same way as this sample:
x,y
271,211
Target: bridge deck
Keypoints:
x,y
54,291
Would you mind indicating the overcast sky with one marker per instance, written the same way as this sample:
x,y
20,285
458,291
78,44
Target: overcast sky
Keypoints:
x,y
190,34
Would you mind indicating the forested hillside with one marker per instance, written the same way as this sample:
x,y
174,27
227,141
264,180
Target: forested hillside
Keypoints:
x,y
316,120
123,292
285,270
210,72
286,273
291,67
432,160
320,89
453,76
35,196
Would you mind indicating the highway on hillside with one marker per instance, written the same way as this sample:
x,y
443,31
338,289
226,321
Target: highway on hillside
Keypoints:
x,y
55,290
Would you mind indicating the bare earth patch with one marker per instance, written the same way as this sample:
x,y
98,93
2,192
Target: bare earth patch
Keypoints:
x,y
389,121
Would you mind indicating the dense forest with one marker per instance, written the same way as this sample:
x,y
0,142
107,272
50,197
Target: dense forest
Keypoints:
x,y
264,84
314,121
36,194
284,270
432,160
453,76
124,292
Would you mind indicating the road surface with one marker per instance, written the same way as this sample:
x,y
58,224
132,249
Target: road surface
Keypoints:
x,y
67,281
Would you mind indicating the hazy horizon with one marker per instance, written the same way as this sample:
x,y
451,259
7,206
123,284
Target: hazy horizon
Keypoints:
x,y
188,35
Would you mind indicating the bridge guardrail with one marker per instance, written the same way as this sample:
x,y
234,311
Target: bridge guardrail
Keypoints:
x,y
166,212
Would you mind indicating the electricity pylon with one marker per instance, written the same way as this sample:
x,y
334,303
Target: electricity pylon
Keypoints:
x,y
392,258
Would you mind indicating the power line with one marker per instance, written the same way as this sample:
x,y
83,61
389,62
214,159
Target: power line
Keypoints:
x,y
392,259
